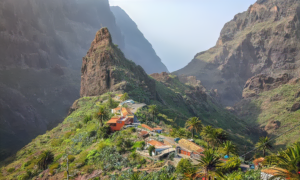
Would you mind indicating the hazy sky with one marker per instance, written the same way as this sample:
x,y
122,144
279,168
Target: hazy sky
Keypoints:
x,y
179,29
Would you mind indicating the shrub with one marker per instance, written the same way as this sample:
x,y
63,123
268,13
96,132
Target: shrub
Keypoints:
x,y
150,150
78,126
92,133
10,170
183,166
139,166
45,159
68,134
53,167
26,164
103,132
87,118
56,142
26,176
71,158
171,156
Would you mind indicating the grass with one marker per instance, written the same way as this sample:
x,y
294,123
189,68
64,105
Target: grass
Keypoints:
x,y
264,110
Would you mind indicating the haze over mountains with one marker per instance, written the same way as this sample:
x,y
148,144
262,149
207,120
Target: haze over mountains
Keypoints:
x,y
254,68
42,45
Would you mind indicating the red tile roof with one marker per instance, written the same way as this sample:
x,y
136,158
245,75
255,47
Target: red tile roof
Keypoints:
x,y
143,133
113,120
147,127
157,128
156,143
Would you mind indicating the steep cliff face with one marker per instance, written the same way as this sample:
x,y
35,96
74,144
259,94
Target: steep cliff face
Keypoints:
x,y
137,47
105,69
41,47
264,39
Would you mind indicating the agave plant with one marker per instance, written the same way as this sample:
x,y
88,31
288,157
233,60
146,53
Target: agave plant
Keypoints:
x,y
45,159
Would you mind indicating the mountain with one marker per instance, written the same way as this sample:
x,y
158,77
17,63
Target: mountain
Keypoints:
x,y
137,46
105,69
263,39
41,47
93,151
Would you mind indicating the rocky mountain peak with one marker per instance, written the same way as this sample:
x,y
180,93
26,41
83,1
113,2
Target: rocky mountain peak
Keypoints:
x,y
105,69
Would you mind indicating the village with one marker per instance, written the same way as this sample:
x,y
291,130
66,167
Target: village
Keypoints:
x,y
159,147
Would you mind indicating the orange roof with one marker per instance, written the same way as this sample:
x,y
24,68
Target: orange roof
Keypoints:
x,y
126,111
147,127
258,160
143,133
274,171
117,109
113,120
156,143
120,95
157,128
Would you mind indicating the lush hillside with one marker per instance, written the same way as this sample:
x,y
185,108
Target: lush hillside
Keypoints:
x,y
273,111
263,39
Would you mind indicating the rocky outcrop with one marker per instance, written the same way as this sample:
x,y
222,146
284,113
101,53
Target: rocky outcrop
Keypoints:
x,y
262,40
137,47
295,107
105,69
262,82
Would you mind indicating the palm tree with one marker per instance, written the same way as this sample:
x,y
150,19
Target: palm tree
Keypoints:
x,y
45,159
193,124
220,135
264,144
152,109
228,147
287,164
208,135
208,163
101,114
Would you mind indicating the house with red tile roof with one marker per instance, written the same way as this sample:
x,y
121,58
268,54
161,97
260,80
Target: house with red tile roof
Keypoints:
x,y
147,127
125,117
117,123
159,146
143,134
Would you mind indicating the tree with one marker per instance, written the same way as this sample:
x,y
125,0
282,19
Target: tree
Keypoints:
x,y
45,159
111,103
183,166
207,135
208,163
124,97
101,114
228,148
153,110
193,124
213,136
264,144
287,164
151,149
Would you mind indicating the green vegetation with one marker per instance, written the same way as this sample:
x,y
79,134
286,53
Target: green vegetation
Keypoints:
x,y
124,97
152,110
270,111
264,144
45,158
194,124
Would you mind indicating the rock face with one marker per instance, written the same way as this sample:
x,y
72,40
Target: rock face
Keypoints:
x,y
262,40
105,69
137,47
262,82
